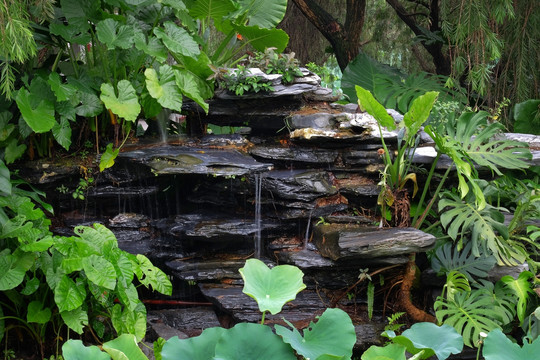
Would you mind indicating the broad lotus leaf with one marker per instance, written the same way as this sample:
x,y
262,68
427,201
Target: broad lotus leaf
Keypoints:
x,y
163,87
271,288
441,341
202,347
124,347
75,350
252,341
389,352
332,334
125,104
498,346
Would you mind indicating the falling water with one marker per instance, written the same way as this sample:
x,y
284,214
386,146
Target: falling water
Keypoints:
x,y
306,238
162,122
258,187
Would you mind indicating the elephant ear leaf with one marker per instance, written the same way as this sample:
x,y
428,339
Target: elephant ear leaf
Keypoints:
x,y
163,87
125,104
40,117
367,103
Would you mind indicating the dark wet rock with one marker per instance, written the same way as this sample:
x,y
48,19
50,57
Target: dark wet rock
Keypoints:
x,y
357,185
204,270
220,227
349,219
348,108
134,241
46,172
232,300
183,160
315,121
497,272
290,154
298,184
368,334
338,241
321,94
224,140
305,259
190,321
361,157
129,220
124,191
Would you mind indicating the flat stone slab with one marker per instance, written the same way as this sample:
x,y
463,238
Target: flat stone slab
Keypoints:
x,y
204,270
186,160
295,154
230,298
188,320
302,185
345,242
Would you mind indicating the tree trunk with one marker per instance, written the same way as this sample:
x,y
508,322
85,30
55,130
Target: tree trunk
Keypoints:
x,y
344,38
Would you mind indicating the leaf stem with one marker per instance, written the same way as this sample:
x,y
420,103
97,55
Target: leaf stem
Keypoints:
x,y
262,319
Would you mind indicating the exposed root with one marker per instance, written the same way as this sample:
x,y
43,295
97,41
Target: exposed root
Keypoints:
x,y
415,313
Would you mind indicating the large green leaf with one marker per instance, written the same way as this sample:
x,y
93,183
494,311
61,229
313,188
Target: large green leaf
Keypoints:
x,y
90,105
486,227
271,288
264,13
12,270
215,9
37,314
114,35
126,104
522,288
79,12
448,258
153,46
441,341
107,158
498,346
202,347
527,117
367,103
163,87
99,271
40,118
193,87
71,33
124,347
153,276
252,341
5,183
62,91
129,321
333,334
419,112
68,295
261,38
75,350
470,313
62,133
389,352
366,72
13,151
177,39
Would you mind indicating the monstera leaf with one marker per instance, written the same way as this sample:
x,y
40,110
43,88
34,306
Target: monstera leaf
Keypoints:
x,y
522,288
125,104
447,258
333,334
486,227
470,313
271,288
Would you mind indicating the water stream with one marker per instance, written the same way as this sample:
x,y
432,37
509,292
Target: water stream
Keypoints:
x,y
257,240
